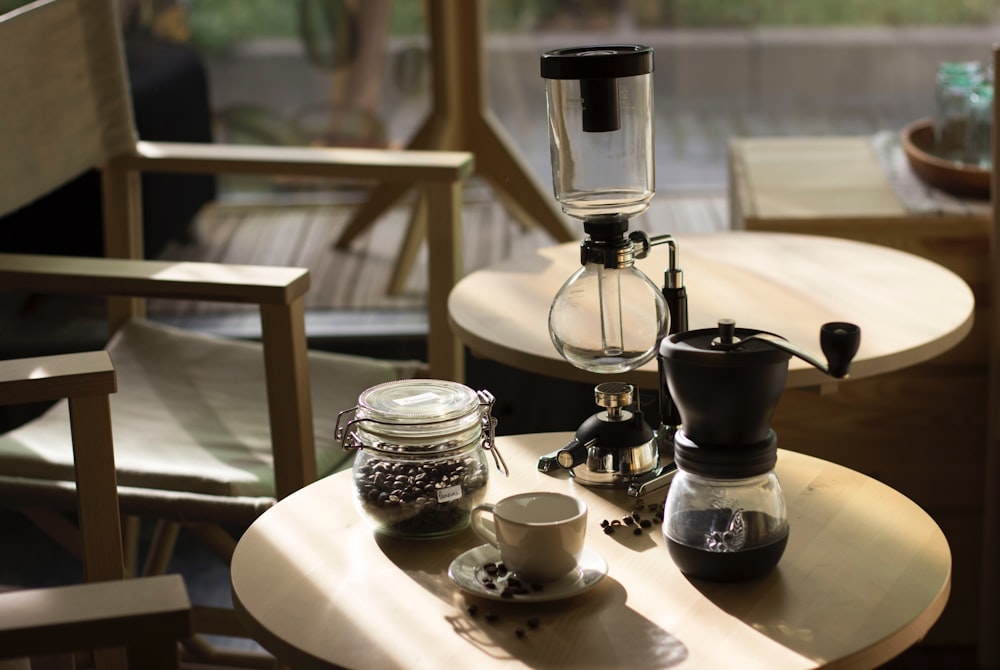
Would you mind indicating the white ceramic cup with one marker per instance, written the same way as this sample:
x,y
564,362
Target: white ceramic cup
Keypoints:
x,y
540,535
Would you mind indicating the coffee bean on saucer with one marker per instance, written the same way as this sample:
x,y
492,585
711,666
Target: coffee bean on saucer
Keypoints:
x,y
519,631
491,617
637,531
472,609
533,622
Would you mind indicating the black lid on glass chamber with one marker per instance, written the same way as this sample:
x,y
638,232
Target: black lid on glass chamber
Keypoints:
x,y
609,61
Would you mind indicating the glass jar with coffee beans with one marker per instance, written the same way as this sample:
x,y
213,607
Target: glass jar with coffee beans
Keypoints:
x,y
421,465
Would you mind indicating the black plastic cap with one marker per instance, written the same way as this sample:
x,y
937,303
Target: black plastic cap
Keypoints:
x,y
597,62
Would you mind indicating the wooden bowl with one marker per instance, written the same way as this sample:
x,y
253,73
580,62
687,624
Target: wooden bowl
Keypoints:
x,y
958,179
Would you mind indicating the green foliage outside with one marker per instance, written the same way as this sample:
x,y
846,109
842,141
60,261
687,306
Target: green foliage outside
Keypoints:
x,y
216,25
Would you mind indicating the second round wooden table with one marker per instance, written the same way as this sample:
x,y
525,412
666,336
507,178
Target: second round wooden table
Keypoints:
x,y
909,309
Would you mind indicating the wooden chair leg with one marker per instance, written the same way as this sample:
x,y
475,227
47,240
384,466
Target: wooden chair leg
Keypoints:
x,y
97,487
161,547
131,531
416,231
289,396
444,267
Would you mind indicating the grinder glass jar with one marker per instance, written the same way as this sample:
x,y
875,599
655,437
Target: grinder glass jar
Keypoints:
x,y
422,465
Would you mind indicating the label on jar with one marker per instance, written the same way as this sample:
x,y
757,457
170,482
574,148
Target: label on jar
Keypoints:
x,y
449,493
417,399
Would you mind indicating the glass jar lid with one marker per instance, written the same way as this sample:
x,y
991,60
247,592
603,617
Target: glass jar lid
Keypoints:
x,y
412,401
422,415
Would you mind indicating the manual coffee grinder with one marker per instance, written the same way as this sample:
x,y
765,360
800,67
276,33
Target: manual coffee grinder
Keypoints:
x,y
608,317
724,518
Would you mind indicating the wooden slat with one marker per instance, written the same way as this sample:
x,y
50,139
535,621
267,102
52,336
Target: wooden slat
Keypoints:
x,y
162,279
374,164
49,377
93,615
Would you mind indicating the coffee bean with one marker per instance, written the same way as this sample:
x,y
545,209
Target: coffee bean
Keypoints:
x,y
533,622
403,497
519,631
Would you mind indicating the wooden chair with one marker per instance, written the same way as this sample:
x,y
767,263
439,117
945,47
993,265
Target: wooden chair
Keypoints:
x,y
145,616
148,616
989,644
208,432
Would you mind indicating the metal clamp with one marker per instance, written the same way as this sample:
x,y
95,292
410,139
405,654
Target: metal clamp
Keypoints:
x,y
486,400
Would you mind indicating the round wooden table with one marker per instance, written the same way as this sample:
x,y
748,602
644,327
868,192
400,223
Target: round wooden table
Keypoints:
x,y
909,309
865,574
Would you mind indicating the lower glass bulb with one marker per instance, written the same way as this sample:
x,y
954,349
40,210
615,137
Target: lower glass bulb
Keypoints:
x,y
608,320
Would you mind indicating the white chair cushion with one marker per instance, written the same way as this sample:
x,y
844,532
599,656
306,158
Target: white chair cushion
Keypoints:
x,y
190,414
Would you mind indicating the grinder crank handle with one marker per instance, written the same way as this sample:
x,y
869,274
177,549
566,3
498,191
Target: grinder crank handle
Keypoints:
x,y
840,342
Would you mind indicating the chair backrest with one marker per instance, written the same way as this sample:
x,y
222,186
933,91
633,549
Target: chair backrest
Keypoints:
x,y
66,105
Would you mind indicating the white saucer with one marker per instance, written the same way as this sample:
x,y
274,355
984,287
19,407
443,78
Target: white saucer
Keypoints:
x,y
469,573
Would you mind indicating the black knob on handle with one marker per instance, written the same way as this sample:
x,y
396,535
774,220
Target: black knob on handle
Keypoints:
x,y
572,455
840,342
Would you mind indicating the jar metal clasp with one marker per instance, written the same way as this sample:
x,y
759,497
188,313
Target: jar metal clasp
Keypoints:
x,y
486,401
343,433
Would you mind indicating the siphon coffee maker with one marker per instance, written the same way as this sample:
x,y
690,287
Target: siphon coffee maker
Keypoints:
x,y
724,517
608,317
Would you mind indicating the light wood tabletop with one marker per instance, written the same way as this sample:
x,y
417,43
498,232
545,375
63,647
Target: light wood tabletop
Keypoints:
x,y
865,574
909,309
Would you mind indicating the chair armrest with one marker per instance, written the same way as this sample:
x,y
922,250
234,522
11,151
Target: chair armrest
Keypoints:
x,y
94,616
218,282
42,378
375,164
